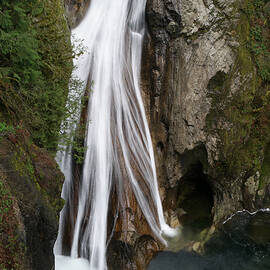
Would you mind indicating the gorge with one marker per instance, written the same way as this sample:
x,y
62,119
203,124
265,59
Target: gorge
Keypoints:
x,y
198,72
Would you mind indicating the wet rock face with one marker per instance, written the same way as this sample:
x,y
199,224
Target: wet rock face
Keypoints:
x,y
75,11
181,70
188,47
249,228
121,255
131,245
192,52
231,249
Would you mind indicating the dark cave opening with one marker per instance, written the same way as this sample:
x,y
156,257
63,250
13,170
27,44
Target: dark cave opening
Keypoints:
x,y
160,147
195,199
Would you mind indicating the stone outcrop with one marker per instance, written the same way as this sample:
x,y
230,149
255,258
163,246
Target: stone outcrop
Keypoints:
x,y
201,76
75,11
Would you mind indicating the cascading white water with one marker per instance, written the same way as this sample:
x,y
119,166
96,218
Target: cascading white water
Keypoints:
x,y
118,144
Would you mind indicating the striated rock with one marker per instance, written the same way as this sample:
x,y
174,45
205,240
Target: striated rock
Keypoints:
x,y
186,65
200,71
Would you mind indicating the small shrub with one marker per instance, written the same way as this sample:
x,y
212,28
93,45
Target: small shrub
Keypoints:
x,y
5,129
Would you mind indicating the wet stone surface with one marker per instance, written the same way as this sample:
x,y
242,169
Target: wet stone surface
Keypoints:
x,y
243,243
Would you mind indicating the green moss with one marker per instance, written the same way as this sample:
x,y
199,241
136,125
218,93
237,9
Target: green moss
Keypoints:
x,y
35,66
12,249
244,61
244,116
265,171
259,36
6,201
23,162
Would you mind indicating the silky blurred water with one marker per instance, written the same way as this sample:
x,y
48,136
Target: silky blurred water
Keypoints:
x,y
119,153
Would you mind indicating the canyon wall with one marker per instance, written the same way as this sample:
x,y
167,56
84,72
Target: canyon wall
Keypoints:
x,y
206,78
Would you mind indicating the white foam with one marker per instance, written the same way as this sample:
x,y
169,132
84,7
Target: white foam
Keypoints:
x,y
267,210
168,232
68,263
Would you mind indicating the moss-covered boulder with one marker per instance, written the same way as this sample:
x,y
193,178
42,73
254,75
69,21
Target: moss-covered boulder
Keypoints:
x,y
30,189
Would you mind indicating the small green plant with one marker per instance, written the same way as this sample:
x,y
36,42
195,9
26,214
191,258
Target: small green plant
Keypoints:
x,y
259,36
5,129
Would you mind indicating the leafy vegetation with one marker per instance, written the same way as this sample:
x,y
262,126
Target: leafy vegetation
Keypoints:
x,y
5,129
259,37
35,67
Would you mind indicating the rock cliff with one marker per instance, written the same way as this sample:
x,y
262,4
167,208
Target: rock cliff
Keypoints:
x,y
75,10
207,97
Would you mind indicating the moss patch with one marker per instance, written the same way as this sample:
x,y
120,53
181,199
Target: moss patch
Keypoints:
x,y
12,247
242,117
265,170
38,166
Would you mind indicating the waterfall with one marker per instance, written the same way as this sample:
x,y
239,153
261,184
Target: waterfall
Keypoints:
x,y
118,144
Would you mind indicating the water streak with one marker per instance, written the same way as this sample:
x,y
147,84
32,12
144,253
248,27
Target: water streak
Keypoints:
x,y
118,142
265,210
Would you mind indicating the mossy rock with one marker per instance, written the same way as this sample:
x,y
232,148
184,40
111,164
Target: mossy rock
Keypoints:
x,y
12,235
241,118
34,181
